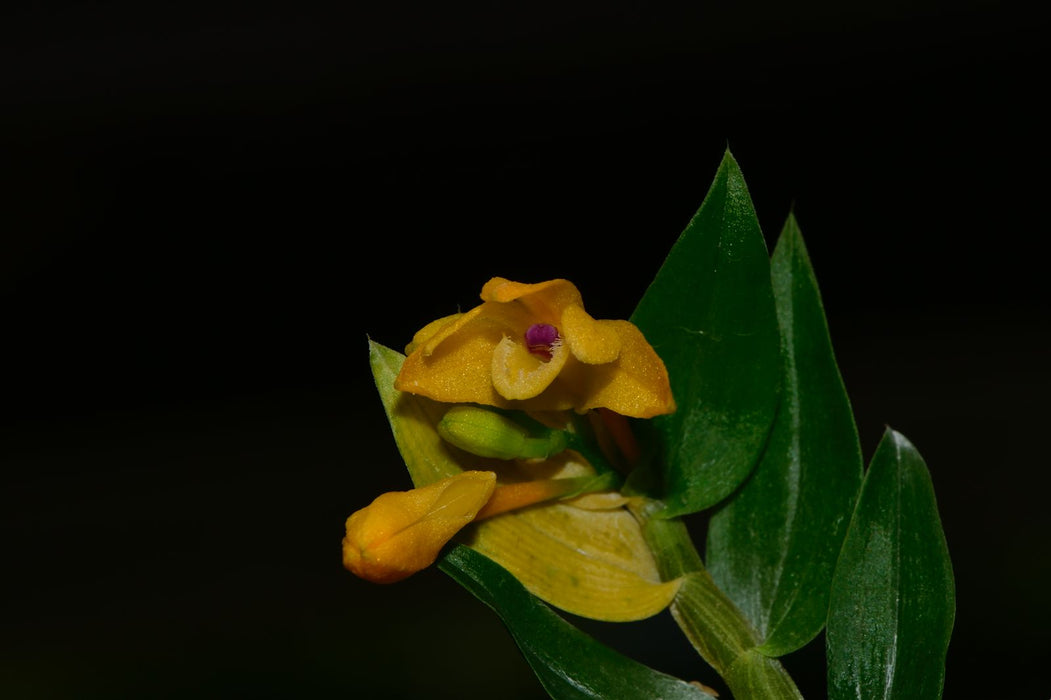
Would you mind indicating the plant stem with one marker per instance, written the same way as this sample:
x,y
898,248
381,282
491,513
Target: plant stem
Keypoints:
x,y
711,622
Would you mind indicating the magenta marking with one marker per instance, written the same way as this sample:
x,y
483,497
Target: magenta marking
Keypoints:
x,y
541,338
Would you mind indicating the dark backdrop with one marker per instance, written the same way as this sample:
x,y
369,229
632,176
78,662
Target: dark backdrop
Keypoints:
x,y
207,211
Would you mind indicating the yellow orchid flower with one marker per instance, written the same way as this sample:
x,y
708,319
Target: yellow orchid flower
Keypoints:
x,y
534,347
553,522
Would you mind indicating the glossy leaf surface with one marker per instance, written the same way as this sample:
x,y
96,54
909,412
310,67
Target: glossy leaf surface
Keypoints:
x,y
773,546
570,664
893,596
709,313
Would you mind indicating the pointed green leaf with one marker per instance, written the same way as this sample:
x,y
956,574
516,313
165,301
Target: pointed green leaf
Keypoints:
x,y
709,313
570,664
893,596
774,545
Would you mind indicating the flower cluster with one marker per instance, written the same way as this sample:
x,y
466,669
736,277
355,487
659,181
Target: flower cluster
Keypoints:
x,y
515,377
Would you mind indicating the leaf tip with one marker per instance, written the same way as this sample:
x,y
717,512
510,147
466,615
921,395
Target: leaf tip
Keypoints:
x,y
898,441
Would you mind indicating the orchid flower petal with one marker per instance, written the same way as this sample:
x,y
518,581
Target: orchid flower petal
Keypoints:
x,y
533,347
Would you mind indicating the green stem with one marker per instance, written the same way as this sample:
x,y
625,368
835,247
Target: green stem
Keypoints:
x,y
711,622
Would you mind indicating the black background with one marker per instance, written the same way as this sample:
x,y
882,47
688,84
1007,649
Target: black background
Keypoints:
x,y
207,211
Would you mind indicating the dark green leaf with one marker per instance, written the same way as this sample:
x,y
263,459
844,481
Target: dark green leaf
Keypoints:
x,y
773,547
710,315
893,597
570,664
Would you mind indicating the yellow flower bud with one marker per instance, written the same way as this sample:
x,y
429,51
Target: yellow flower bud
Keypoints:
x,y
403,532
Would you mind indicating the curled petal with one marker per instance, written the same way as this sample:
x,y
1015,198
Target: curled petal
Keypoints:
x,y
543,298
635,385
592,342
441,326
518,373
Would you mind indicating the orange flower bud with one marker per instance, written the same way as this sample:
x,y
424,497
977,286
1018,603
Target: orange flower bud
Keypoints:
x,y
403,532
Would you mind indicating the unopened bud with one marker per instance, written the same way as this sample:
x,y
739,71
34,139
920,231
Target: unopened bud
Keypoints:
x,y
488,433
403,532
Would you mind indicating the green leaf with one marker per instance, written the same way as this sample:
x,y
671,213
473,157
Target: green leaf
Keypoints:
x,y
709,313
773,546
893,596
570,664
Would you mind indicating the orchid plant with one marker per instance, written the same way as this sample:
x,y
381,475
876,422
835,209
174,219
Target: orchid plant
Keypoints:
x,y
555,458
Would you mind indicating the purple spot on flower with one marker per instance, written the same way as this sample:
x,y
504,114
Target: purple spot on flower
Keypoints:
x,y
541,334
541,338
